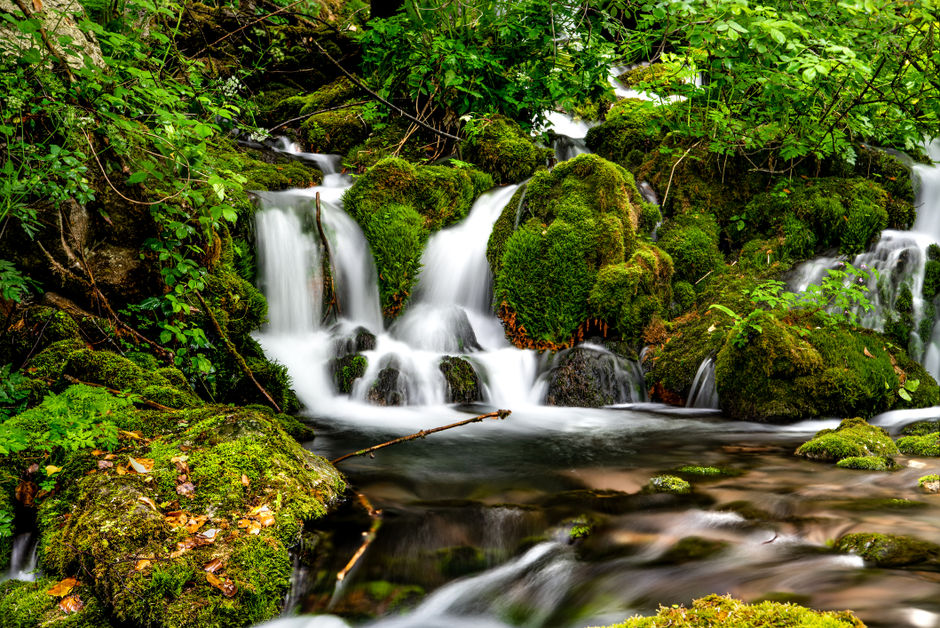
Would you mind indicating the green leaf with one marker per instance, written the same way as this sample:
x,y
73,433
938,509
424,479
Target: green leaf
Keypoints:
x,y
809,74
137,177
777,36
903,394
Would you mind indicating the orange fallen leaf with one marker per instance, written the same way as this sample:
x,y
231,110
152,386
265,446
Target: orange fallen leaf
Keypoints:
x,y
195,523
245,480
109,457
141,565
121,470
140,465
266,519
71,604
63,587
213,565
133,435
226,586
97,452
176,519
867,353
258,509
186,489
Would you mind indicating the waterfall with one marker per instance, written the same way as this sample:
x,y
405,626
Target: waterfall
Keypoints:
x,y
23,557
703,393
569,135
899,257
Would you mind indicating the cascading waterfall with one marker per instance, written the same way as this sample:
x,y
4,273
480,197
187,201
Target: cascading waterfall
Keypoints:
x,y
23,557
703,393
900,258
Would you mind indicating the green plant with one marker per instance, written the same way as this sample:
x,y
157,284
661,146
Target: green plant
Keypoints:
x,y
907,388
13,393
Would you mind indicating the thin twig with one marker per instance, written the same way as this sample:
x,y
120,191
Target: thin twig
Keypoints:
x,y
673,171
363,87
367,537
105,174
238,30
499,414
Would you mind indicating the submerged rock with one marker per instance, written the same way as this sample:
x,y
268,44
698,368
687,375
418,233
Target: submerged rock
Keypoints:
x,y
668,484
588,378
930,483
463,383
888,550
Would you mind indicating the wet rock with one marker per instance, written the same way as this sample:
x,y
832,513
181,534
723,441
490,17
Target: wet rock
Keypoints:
x,y
358,340
461,560
921,428
889,550
924,445
463,383
668,484
853,438
389,388
346,370
689,549
588,378
930,483
867,463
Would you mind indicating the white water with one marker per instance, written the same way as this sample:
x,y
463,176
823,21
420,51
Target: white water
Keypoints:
x,y
899,257
703,393
23,558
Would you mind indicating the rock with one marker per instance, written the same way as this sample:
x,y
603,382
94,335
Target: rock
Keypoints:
x,y
346,370
389,388
689,549
463,383
59,23
589,378
867,463
668,484
501,148
358,340
924,445
888,550
930,483
853,438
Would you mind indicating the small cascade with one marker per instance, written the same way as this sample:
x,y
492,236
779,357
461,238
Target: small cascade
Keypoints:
x,y
703,393
329,165
899,258
23,558
569,135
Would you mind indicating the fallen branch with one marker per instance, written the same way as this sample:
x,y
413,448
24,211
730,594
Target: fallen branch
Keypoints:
x,y
367,537
235,354
334,300
673,171
345,105
499,414
362,86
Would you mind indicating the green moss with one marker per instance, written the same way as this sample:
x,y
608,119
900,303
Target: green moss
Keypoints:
x,y
500,147
236,460
28,605
655,72
715,610
930,483
263,171
692,242
924,445
398,205
330,95
335,131
463,384
576,239
888,550
696,470
683,295
632,129
852,439
867,463
347,369
668,484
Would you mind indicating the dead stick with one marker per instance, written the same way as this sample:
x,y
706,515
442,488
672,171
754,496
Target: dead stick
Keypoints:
x,y
367,537
113,391
362,86
334,300
235,354
499,414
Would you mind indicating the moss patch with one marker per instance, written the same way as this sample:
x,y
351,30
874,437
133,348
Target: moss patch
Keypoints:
x,y
854,438
716,610
888,550
463,383
398,205
925,445
501,148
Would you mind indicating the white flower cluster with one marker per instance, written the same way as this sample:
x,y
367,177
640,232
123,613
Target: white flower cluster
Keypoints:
x,y
277,54
231,87
258,135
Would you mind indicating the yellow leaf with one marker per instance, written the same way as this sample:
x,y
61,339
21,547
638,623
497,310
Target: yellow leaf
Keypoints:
x,y
63,587
149,502
141,465
71,604
141,565
52,470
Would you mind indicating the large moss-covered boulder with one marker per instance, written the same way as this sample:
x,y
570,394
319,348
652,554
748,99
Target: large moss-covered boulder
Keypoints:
x,y
398,205
501,148
190,523
854,438
786,372
567,251
716,610
632,129
692,242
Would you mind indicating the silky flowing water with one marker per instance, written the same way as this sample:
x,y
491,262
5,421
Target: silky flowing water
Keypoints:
x,y
480,523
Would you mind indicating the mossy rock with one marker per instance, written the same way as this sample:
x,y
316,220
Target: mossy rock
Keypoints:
x,y
924,445
502,149
654,72
332,94
398,205
786,372
888,550
854,438
818,214
692,242
716,610
867,463
690,549
29,605
346,370
463,383
264,171
574,255
929,483
632,129
587,378
668,484
237,463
